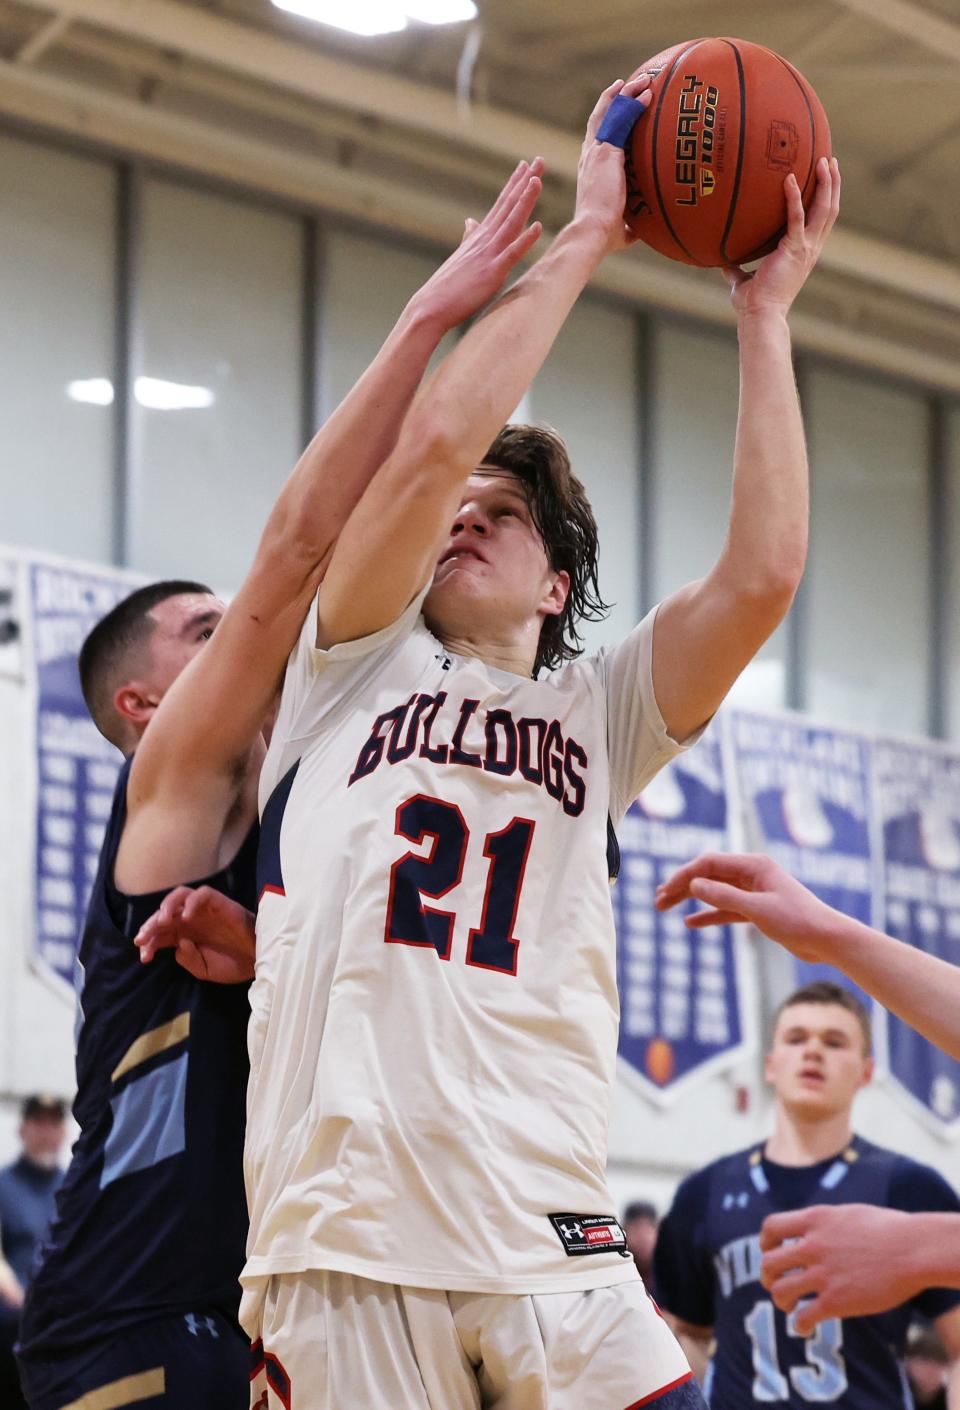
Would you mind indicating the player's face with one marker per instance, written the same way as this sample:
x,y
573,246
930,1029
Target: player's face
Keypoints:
x,y
816,1063
184,625
42,1138
493,571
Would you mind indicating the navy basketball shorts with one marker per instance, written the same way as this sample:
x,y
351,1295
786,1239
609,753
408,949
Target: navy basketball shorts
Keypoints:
x,y
196,1361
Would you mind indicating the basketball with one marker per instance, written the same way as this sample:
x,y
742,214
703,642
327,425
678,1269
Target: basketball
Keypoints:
x,y
727,123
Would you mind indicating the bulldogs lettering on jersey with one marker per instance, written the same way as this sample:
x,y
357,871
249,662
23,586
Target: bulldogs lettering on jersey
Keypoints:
x,y
535,747
434,1018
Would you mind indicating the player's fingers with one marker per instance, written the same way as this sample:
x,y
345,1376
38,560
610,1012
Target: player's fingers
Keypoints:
x,y
794,1287
197,900
722,896
807,1317
636,87
600,108
190,957
522,245
516,178
792,1224
514,217
819,214
702,920
741,869
796,216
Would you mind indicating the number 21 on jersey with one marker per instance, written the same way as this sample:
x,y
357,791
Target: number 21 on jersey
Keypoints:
x,y
490,945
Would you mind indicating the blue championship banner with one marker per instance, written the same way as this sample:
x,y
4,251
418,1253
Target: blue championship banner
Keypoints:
x,y
917,790
76,767
679,989
806,794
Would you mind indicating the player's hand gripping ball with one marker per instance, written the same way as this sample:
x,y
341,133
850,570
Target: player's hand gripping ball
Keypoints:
x,y
728,122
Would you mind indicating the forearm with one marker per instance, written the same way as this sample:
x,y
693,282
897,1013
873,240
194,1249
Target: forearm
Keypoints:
x,y
472,393
921,989
767,538
356,439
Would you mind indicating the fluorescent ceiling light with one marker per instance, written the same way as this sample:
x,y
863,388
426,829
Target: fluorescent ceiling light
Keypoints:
x,y
97,391
365,17
440,11
152,392
159,395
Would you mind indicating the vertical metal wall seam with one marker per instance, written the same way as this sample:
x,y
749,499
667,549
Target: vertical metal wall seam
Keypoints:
x,y
940,567
797,644
310,354
127,268
644,371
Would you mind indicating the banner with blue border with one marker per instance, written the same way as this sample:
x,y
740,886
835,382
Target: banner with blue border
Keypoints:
x,y
76,768
805,791
680,1005
917,790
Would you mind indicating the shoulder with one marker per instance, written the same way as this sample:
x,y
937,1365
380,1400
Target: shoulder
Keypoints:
x,y
913,1186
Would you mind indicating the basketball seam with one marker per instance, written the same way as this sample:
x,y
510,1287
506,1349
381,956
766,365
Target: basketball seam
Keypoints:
x,y
656,152
739,172
813,122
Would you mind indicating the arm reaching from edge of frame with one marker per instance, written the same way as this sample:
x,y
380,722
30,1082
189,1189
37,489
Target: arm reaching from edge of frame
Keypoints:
x,y
853,1260
708,631
213,937
388,550
921,989
193,766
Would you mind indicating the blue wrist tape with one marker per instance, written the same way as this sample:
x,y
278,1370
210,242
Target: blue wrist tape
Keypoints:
x,y
620,119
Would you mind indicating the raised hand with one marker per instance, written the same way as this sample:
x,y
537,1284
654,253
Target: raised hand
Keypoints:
x,y
782,274
601,178
749,887
213,936
489,250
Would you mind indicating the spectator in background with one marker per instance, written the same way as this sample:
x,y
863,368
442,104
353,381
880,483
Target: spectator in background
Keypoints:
x,y
640,1224
927,1366
27,1191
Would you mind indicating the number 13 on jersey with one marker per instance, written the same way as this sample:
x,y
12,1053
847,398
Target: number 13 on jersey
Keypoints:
x,y
490,945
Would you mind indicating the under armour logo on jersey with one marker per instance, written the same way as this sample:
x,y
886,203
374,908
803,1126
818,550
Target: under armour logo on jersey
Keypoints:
x,y
739,1201
198,1324
445,662
589,1233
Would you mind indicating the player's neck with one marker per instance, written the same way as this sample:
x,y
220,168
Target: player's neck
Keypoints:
x,y
516,656
800,1140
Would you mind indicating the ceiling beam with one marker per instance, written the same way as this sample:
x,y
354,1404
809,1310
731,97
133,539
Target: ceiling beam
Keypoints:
x,y
39,42
122,124
270,58
913,22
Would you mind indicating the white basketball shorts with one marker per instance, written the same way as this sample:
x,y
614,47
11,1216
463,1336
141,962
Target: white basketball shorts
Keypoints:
x,y
332,1341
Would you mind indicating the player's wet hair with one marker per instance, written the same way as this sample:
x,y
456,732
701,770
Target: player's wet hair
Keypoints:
x,y
564,520
821,991
107,654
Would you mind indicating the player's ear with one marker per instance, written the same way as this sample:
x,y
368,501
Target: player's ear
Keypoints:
x,y
768,1068
556,595
135,702
868,1068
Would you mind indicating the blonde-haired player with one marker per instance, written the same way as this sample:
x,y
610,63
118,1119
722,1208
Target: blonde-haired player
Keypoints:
x,y
435,1011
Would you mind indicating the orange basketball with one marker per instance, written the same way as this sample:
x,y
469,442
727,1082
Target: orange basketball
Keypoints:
x,y
728,121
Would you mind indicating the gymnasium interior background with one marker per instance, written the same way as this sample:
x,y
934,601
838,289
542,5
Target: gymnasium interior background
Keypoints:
x,y
211,212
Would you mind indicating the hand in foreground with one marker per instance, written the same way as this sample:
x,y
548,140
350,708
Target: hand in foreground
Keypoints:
x,y
489,250
212,936
601,178
750,887
847,1258
782,274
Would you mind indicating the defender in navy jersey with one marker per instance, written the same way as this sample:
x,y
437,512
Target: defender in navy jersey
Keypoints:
x,y
708,1252
135,1300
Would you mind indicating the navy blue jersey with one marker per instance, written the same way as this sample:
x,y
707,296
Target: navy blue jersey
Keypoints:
x,y
151,1218
707,1266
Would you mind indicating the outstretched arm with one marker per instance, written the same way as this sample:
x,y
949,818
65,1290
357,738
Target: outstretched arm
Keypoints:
x,y
389,548
708,631
196,754
922,990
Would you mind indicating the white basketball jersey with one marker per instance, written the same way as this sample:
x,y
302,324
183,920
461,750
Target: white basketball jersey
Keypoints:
x,y
434,1028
